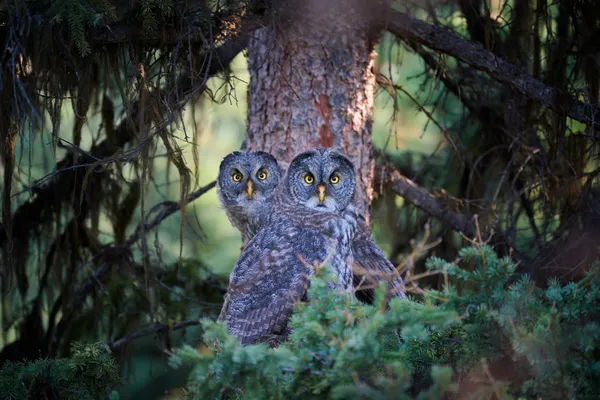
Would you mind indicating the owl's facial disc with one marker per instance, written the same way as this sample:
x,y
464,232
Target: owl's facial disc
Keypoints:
x,y
319,195
246,179
322,180
322,199
248,191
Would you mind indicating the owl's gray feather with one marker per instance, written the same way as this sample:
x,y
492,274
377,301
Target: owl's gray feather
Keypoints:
x,y
274,269
371,266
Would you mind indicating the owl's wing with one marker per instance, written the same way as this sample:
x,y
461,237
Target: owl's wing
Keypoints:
x,y
268,322
371,266
267,280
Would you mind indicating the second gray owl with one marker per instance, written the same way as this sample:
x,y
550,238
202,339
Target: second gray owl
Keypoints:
x,y
248,215
311,221
246,187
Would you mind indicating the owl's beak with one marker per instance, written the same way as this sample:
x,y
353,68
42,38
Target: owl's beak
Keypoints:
x,y
249,188
321,189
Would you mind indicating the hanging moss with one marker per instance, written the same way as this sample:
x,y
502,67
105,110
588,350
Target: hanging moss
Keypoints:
x,y
131,62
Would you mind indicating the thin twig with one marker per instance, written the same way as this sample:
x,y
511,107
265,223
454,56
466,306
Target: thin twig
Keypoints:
x,y
154,328
165,209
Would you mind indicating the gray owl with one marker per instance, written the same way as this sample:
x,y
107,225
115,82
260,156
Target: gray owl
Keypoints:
x,y
248,215
246,188
311,221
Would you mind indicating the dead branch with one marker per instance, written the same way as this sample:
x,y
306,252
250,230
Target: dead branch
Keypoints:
x,y
411,29
444,208
436,206
164,210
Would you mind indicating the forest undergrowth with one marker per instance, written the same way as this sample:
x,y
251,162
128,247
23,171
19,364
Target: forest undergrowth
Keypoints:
x,y
488,334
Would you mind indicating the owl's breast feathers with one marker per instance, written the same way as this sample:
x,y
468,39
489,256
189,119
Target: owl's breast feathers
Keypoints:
x,y
248,219
274,270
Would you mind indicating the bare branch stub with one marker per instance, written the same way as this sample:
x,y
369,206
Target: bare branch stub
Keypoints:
x,y
436,206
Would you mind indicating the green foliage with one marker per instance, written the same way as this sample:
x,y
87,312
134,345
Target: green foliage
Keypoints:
x,y
489,330
90,373
551,331
174,293
151,10
339,348
489,334
78,14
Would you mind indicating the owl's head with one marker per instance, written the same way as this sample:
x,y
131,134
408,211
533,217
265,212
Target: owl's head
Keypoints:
x,y
247,177
322,179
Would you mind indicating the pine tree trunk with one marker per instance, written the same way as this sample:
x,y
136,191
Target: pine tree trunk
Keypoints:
x,y
312,85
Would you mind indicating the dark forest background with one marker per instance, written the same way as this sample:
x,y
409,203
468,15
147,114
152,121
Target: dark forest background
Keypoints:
x,y
474,121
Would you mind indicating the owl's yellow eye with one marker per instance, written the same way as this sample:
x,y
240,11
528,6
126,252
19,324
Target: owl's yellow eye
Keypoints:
x,y
237,177
309,179
262,175
334,179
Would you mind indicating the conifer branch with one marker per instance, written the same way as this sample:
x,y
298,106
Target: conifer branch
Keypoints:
x,y
411,29
70,177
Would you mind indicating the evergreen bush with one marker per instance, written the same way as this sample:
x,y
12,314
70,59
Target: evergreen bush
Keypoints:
x,y
90,373
488,334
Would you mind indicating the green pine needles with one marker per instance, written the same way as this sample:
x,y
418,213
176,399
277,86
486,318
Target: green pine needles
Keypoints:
x,y
79,15
152,10
489,334
90,373
82,14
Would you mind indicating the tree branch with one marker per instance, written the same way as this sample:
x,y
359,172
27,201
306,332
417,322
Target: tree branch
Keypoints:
x,y
168,208
435,206
69,179
411,29
123,32
440,207
164,210
154,328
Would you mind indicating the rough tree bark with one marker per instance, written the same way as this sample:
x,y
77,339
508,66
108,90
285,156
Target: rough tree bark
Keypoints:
x,y
312,84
